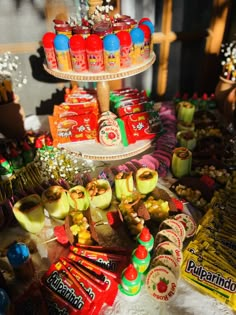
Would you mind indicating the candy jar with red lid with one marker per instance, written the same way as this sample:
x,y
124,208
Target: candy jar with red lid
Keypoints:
x,y
62,27
78,53
131,281
84,31
120,26
94,51
147,39
141,258
102,29
48,45
125,48
146,239
111,53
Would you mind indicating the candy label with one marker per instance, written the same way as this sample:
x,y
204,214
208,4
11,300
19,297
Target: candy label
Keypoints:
x,y
188,223
161,283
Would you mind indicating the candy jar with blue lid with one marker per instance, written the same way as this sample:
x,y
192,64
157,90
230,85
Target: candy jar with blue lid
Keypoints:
x,y
18,255
61,44
137,36
111,53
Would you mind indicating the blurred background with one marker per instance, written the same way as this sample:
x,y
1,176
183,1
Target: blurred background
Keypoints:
x,y
24,22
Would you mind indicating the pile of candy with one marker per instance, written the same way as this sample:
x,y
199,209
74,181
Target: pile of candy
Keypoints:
x,y
107,46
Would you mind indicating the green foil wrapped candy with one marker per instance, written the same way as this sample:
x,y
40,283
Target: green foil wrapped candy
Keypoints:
x,y
146,180
56,202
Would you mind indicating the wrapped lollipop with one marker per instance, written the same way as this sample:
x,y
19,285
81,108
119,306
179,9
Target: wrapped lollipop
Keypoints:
x,y
56,202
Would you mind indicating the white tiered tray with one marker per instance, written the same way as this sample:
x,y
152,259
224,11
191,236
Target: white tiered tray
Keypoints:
x,y
87,76
93,150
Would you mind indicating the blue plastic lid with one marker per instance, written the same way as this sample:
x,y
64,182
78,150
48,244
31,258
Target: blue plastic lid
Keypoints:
x,y
4,301
150,25
17,254
111,42
137,35
61,42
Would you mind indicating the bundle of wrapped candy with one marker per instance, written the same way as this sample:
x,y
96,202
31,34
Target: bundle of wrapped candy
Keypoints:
x,y
132,118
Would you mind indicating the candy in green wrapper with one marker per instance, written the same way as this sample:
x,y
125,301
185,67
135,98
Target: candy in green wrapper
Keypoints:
x,y
100,193
29,213
124,185
181,163
185,111
56,202
78,198
146,180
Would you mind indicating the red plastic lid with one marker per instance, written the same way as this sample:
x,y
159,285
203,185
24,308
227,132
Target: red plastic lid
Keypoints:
x,y
81,30
94,42
77,42
141,252
125,38
144,19
131,272
146,30
102,28
120,26
48,39
145,235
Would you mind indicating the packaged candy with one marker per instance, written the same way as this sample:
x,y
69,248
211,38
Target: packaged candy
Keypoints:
x,y
61,282
111,279
94,50
61,44
48,45
111,53
78,53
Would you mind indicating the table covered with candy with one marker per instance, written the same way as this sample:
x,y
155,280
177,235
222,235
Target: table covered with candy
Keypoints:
x,y
79,242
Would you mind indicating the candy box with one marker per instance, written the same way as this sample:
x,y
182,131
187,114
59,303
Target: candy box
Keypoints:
x,y
109,278
61,283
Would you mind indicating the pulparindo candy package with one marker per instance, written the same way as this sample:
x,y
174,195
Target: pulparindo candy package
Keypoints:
x,y
209,278
210,259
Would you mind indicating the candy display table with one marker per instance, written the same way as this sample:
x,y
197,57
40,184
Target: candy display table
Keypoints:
x,y
94,150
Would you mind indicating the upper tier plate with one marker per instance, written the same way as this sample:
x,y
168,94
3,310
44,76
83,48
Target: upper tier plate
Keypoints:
x,y
102,76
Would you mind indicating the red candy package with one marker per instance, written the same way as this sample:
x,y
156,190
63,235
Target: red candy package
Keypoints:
x,y
61,283
100,273
113,262
144,125
74,128
97,293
